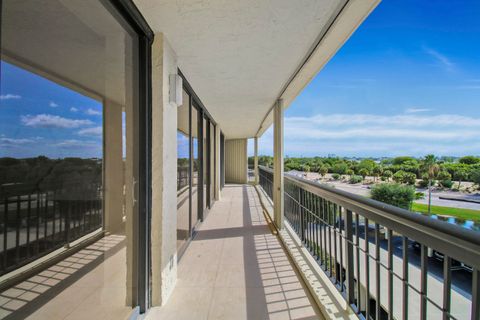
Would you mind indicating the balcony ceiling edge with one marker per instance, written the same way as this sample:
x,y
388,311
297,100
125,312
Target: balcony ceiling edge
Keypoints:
x,y
329,42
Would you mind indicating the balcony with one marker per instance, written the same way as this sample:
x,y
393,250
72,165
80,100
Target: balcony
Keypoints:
x,y
235,268
386,262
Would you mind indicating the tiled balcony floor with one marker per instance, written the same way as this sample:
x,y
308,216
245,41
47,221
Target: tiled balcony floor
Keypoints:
x,y
89,284
236,269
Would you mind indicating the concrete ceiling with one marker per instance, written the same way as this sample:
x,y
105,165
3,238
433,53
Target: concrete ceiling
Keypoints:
x,y
240,56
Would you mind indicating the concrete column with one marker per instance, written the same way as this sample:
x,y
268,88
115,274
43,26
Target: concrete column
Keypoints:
x,y
278,163
255,159
164,174
113,166
217,162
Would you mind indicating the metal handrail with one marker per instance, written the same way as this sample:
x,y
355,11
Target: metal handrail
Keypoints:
x,y
455,241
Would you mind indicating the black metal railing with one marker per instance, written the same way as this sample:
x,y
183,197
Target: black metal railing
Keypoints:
x,y
387,262
35,222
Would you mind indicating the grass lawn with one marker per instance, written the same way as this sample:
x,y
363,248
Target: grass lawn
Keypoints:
x,y
465,214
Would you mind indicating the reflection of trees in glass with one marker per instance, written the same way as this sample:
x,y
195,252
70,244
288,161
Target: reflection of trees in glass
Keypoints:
x,y
70,178
182,173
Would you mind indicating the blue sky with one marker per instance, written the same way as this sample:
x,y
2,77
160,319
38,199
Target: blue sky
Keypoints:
x,y
406,83
40,117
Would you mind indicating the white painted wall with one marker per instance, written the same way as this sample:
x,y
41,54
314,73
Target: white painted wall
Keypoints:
x,y
164,173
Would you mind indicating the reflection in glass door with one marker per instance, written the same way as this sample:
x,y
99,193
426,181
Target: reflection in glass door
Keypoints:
x,y
204,165
195,165
183,171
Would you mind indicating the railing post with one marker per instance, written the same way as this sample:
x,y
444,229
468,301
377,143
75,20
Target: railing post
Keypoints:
x,y
349,256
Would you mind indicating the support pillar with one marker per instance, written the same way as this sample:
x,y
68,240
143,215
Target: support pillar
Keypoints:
x,y
113,166
255,160
164,174
278,163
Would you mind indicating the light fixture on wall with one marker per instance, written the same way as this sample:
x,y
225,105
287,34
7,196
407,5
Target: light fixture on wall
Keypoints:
x,y
175,89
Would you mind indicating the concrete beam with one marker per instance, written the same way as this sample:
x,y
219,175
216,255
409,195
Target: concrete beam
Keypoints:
x,y
278,163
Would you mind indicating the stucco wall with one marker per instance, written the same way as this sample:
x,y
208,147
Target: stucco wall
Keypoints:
x,y
236,161
164,173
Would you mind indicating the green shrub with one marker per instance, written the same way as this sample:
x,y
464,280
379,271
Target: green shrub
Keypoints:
x,y
335,176
355,179
363,172
409,178
395,194
399,176
419,195
446,183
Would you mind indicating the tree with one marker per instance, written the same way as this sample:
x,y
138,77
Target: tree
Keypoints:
x,y
475,176
363,172
387,174
394,194
469,160
399,176
349,172
377,172
323,171
460,175
429,166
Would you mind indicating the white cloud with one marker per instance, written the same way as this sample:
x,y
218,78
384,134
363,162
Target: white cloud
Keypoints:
x,y
95,132
417,110
52,104
9,96
73,109
52,121
93,112
73,143
5,140
441,59
378,135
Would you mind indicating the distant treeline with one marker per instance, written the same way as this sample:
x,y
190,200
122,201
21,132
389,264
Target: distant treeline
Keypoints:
x,y
27,175
460,169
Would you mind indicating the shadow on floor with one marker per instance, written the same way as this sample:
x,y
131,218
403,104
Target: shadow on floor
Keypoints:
x,y
284,295
25,298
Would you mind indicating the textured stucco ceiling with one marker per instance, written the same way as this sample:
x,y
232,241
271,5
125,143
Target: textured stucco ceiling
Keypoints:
x,y
239,55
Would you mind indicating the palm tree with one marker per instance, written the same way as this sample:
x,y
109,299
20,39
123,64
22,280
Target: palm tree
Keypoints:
x,y
430,167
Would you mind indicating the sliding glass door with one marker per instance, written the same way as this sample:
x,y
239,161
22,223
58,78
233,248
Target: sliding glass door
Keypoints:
x,y
74,148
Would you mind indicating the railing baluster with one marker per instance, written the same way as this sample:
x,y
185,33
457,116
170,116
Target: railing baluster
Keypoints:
x,y
476,294
357,262
29,210
37,235
45,218
349,256
390,274
377,271
447,286
367,272
17,235
334,225
5,234
423,281
329,223
405,279
340,245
